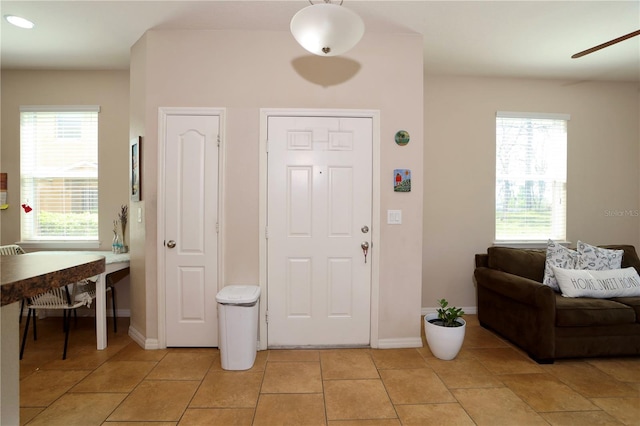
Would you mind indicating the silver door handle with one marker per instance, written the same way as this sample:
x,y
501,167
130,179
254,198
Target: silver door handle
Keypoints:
x,y
171,244
365,249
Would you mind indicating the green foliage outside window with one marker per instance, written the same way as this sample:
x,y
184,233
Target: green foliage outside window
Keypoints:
x,y
67,224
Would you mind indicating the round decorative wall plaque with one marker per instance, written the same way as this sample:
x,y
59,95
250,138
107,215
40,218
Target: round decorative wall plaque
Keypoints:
x,y
402,137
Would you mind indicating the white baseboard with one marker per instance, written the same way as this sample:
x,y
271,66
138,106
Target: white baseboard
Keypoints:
x,y
147,344
151,344
406,342
471,310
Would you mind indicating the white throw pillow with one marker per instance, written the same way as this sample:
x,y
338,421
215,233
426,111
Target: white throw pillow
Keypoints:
x,y
560,257
596,258
598,284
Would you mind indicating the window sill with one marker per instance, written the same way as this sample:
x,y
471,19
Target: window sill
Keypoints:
x,y
59,245
528,244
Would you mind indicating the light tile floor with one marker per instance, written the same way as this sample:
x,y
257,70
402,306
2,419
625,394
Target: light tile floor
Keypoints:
x,y
489,383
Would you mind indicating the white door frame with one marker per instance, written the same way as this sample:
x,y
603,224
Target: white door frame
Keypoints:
x,y
265,113
163,113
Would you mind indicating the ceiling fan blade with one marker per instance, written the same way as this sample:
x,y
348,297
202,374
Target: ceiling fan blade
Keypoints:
x,y
607,44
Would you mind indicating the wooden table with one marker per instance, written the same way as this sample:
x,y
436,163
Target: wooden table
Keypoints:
x,y
25,276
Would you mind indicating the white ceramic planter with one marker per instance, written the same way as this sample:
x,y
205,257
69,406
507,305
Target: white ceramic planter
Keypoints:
x,y
444,342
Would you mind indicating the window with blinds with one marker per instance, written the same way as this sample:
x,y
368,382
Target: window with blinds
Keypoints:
x,y
531,177
59,172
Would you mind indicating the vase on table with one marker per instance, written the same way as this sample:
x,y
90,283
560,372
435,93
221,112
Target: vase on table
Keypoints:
x,y
116,245
125,247
123,218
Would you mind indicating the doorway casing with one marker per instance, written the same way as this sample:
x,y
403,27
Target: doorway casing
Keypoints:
x,y
163,113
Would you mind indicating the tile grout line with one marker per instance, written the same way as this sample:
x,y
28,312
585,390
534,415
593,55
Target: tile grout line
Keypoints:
x,y
135,387
194,393
324,397
264,373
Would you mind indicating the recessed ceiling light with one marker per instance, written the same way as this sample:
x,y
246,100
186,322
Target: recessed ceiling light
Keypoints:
x,y
19,22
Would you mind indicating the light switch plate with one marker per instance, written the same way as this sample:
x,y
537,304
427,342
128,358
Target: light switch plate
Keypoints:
x,y
394,217
139,214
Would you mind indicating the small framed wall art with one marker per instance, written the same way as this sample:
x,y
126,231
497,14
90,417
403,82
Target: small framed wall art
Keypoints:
x,y
402,180
134,176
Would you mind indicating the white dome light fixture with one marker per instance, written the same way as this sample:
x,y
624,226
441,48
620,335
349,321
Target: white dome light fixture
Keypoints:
x,y
19,22
327,29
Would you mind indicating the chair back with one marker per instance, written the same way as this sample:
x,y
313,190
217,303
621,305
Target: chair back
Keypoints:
x,y
65,297
86,287
10,250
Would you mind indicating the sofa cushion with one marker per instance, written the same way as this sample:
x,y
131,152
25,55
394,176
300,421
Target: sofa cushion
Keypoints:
x,y
585,312
633,302
598,258
527,263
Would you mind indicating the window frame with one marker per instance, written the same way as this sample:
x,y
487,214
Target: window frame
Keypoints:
x,y
37,241
532,240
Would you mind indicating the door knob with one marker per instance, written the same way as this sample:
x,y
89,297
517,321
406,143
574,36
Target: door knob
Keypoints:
x,y
365,249
171,244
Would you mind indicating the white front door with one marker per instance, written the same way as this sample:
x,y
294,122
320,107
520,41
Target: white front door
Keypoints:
x,y
319,213
191,239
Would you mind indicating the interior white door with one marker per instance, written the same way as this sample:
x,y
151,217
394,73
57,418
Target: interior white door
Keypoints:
x,y
191,239
319,214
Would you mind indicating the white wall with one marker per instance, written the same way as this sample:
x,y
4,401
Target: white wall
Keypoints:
x,y
603,149
139,246
455,171
246,71
110,90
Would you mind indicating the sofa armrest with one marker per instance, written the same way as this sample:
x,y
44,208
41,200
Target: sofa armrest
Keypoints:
x,y
518,308
523,290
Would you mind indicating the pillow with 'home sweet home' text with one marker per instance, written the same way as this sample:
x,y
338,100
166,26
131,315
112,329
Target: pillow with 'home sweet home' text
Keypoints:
x,y
598,284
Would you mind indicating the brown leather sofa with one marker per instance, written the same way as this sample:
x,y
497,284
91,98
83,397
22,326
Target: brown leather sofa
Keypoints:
x,y
513,302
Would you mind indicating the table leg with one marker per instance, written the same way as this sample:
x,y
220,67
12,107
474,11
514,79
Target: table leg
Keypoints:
x,y
10,365
101,312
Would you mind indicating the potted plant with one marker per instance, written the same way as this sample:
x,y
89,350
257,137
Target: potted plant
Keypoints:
x,y
445,330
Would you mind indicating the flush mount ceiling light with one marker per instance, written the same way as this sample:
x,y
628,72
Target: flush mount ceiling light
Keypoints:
x,y
327,29
19,22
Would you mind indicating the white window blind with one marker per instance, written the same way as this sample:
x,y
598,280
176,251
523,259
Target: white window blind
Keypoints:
x,y
59,172
531,176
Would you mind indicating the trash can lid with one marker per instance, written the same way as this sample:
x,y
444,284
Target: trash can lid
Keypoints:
x,y
236,294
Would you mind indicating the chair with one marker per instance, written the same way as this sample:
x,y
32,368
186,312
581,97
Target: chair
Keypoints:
x,y
10,250
65,298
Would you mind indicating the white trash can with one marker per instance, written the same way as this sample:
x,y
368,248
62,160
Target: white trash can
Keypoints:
x,y
238,324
